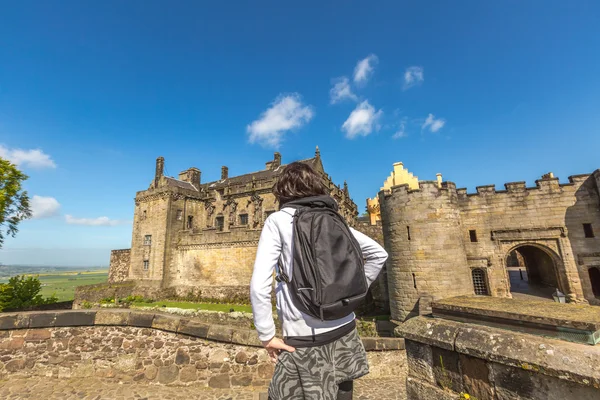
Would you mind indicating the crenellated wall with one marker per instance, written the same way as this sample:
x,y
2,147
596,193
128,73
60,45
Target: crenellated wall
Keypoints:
x,y
453,233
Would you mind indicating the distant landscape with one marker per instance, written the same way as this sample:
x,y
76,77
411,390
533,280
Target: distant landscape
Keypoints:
x,y
56,280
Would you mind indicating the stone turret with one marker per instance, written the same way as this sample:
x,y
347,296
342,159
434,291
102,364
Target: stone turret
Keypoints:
x,y
224,172
423,236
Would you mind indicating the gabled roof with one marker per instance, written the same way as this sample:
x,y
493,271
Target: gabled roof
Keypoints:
x,y
258,175
181,184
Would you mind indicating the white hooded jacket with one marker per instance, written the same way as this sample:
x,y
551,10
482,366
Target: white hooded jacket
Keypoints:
x,y
276,241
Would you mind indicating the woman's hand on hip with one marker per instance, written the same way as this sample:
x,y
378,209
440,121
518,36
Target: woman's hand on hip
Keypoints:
x,y
275,346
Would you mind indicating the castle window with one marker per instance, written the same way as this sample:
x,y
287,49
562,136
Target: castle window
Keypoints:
x,y
479,284
587,229
473,235
243,219
267,213
220,221
147,240
179,215
190,222
408,232
144,215
146,265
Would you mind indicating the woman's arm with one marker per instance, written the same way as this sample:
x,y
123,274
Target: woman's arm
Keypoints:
x,y
267,255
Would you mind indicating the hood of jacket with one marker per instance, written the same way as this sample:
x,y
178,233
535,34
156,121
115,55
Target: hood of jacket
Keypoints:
x,y
315,201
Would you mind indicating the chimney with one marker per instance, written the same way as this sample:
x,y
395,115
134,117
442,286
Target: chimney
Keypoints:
x,y
276,160
224,172
192,176
160,170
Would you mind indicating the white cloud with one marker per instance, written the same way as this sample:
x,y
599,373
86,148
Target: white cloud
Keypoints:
x,y
100,221
44,207
401,132
433,124
364,69
362,121
413,76
341,90
35,158
286,113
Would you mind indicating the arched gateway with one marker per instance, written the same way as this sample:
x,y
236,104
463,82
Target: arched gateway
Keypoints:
x,y
533,271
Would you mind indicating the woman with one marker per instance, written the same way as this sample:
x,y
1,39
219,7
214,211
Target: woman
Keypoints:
x,y
317,359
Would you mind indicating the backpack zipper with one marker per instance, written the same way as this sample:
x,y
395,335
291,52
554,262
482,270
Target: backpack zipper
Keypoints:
x,y
316,271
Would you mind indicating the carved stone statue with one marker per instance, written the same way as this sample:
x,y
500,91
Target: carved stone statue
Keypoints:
x,y
210,209
232,208
257,217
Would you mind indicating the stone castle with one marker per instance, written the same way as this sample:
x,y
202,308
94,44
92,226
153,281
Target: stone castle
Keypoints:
x,y
442,241
194,236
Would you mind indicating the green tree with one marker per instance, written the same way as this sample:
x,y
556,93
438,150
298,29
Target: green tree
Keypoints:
x,y
22,292
14,203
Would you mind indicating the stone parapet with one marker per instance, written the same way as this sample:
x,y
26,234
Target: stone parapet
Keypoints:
x,y
126,345
447,358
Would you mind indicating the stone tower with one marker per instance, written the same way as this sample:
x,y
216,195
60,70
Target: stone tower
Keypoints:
x,y
423,236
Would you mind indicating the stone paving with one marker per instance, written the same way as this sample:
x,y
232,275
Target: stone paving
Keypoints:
x,y
96,389
524,290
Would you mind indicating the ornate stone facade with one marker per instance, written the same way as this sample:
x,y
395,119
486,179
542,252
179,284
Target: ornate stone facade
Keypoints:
x,y
444,242
189,235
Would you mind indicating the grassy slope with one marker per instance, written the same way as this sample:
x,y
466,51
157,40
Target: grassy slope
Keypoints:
x,y
196,306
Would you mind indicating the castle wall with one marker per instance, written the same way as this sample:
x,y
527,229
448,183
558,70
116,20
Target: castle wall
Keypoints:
x,y
422,233
549,215
379,288
119,265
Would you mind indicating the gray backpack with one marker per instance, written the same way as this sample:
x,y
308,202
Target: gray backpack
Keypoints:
x,y
328,276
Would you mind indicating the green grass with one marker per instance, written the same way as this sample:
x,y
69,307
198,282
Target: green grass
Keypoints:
x,y
195,306
63,285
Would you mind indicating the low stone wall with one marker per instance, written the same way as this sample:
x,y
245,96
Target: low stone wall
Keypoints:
x,y
124,345
448,360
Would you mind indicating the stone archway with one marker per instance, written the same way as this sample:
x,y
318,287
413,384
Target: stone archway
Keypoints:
x,y
533,271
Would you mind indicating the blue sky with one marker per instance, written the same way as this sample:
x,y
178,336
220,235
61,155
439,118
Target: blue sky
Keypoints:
x,y
92,92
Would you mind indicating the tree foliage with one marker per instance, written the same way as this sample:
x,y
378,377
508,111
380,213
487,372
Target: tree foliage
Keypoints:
x,y
14,202
22,292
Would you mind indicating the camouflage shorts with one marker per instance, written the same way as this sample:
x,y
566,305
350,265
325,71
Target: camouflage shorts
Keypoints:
x,y
316,372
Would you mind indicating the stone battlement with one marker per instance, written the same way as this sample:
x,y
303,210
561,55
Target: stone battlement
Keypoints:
x,y
436,188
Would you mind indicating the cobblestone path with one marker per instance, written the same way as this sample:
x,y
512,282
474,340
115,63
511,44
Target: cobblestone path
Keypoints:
x,y
96,389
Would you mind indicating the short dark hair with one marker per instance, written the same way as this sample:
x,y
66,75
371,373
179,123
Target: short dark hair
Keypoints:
x,y
298,180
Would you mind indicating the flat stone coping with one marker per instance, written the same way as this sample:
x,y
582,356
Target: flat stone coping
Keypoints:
x,y
574,316
156,320
573,362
